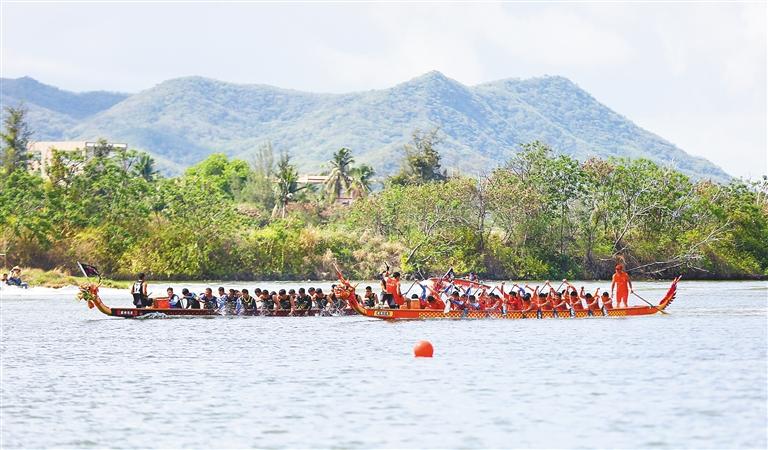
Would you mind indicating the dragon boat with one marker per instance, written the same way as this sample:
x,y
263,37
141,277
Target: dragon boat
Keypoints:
x,y
90,294
347,291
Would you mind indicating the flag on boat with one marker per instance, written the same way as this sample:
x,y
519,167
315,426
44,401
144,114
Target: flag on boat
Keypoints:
x,y
88,270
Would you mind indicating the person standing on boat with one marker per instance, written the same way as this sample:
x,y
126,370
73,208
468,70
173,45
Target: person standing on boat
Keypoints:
x,y
139,292
622,285
393,296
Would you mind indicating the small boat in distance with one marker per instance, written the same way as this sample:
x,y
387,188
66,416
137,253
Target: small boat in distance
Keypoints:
x,y
347,292
90,293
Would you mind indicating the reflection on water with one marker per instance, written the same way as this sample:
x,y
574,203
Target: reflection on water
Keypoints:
x,y
696,378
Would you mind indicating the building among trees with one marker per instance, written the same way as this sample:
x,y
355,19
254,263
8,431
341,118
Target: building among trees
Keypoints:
x,y
42,153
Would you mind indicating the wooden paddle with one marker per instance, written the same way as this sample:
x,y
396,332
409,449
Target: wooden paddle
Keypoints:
x,y
650,304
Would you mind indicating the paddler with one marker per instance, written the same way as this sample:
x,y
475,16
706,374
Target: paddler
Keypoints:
x,y
270,301
573,297
283,301
607,301
369,298
321,300
592,301
434,303
247,303
474,304
393,295
622,286
173,299
139,292
511,301
303,301
559,303
188,300
208,300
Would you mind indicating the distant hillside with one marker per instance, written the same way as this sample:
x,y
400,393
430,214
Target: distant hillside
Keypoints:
x,y
185,119
52,111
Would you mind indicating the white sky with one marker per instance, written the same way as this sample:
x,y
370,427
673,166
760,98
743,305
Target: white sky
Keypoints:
x,y
693,73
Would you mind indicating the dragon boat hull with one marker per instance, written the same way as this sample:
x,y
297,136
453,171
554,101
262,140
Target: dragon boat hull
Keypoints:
x,y
347,292
90,293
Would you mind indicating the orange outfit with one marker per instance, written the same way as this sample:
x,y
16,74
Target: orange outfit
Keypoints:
x,y
437,305
393,287
622,286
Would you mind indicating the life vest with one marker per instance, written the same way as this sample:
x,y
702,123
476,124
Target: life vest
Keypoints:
x,y
249,303
209,302
303,302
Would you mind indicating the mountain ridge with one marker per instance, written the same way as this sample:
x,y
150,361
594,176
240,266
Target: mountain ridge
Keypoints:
x,y
185,119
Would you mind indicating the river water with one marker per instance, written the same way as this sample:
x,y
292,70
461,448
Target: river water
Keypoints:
x,y
72,377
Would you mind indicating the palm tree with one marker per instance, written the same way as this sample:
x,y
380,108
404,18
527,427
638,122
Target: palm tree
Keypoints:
x,y
145,167
286,179
339,179
361,180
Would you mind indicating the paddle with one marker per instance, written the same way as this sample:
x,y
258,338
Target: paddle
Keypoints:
x,y
650,304
409,289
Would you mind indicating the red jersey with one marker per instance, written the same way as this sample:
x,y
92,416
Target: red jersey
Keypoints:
x,y
392,286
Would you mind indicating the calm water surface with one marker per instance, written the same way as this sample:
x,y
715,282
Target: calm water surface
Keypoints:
x,y
72,377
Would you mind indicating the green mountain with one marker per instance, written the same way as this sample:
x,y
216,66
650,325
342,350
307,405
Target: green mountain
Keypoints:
x,y
183,120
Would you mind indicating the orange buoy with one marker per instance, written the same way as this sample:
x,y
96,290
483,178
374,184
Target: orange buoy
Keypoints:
x,y
423,350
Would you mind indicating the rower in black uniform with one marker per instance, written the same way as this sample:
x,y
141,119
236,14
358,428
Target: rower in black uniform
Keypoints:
x,y
139,292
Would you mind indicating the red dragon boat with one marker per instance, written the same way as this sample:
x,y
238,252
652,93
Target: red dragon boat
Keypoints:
x,y
347,291
89,292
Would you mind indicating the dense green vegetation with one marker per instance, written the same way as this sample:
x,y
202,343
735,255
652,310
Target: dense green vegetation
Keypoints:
x,y
181,120
540,215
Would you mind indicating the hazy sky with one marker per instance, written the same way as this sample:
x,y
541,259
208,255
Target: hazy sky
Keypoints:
x,y
693,73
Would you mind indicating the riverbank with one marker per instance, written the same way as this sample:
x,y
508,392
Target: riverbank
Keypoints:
x,y
59,278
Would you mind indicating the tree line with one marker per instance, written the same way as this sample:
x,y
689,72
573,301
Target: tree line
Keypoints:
x,y
539,215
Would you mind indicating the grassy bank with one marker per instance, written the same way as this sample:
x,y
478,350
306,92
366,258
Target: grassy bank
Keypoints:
x,y
58,278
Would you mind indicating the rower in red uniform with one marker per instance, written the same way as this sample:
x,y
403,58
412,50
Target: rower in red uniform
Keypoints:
x,y
514,302
540,299
559,303
531,300
392,288
622,285
607,301
434,303
592,301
